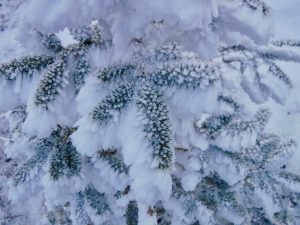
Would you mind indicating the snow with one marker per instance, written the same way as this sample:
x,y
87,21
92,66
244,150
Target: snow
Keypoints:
x,y
286,118
66,38
133,25
155,183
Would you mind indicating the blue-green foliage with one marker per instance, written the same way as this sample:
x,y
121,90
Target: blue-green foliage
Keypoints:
x,y
58,60
231,123
229,101
278,72
81,34
259,217
162,215
263,165
211,192
118,72
163,53
132,213
146,90
73,56
51,42
88,34
214,193
24,66
144,82
290,176
81,68
257,5
113,160
65,160
115,102
288,42
43,148
216,123
188,75
51,83
156,125
96,200
81,215
59,216
255,58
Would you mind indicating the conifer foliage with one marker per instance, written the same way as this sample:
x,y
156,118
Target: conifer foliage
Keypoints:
x,y
155,134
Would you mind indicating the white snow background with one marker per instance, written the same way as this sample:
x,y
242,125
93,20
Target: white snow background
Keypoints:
x,y
286,119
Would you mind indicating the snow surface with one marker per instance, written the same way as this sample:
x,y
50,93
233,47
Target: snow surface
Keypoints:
x,y
285,119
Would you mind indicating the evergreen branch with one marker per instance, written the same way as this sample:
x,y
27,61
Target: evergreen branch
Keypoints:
x,y
96,200
262,117
207,198
65,159
96,36
229,101
24,65
189,199
164,53
258,216
53,81
185,75
120,194
215,181
156,125
81,215
162,215
177,189
278,149
113,161
81,69
258,5
88,35
263,153
189,205
80,63
51,42
264,53
59,216
116,101
277,71
56,169
215,124
42,151
132,213
81,34
237,157
213,192
10,218
112,73
229,200
289,176
257,124
283,217
288,42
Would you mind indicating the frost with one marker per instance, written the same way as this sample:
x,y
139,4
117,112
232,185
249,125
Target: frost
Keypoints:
x,y
148,112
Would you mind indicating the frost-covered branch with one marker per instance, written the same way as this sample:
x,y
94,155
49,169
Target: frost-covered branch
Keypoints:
x,y
156,125
25,65
112,103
